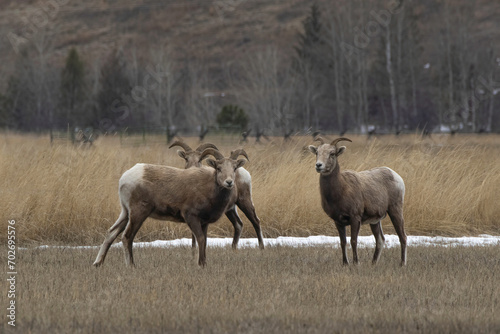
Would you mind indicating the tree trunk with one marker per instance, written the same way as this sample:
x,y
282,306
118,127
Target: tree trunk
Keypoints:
x,y
395,118
452,116
489,118
401,83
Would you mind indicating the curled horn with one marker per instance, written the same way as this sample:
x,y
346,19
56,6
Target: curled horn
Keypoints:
x,y
335,141
203,147
235,154
181,144
320,139
211,151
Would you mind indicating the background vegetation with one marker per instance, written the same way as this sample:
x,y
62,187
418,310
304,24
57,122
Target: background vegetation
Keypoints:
x,y
340,66
68,194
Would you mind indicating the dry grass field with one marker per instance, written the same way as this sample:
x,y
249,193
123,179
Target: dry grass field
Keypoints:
x,y
66,195
62,194
276,290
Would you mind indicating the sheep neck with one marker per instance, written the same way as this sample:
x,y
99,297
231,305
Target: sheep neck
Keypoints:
x,y
222,195
331,185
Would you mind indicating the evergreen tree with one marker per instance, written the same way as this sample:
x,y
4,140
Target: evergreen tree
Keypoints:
x,y
73,89
3,111
309,65
114,102
311,37
232,117
15,105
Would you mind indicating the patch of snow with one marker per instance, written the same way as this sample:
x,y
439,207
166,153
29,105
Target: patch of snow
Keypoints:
x,y
319,240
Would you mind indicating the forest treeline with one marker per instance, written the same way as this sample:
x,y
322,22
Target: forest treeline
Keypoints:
x,y
354,66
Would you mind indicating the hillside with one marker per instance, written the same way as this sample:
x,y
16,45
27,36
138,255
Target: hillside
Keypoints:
x,y
215,31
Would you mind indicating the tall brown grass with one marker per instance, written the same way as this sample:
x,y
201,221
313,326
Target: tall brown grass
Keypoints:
x,y
66,194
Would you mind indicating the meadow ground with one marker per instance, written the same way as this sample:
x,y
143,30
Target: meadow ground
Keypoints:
x,y
276,290
65,195
62,194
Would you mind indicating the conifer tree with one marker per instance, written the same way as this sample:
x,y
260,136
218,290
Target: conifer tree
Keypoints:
x,y
72,89
232,117
311,37
309,65
114,101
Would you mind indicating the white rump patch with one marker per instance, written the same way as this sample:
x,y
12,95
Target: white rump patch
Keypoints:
x,y
129,180
133,175
244,175
399,181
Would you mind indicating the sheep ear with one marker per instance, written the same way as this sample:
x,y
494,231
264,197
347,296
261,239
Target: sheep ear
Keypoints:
x,y
240,163
212,163
182,154
313,149
341,150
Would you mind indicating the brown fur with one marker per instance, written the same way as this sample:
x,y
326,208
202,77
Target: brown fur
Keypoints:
x,y
197,196
354,198
243,200
207,198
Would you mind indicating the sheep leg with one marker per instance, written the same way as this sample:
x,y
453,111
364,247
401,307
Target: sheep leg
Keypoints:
x,y
343,242
113,232
396,216
136,219
249,210
378,233
200,233
204,228
232,215
355,226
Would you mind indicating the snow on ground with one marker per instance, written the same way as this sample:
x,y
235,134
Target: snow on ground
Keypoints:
x,y
321,240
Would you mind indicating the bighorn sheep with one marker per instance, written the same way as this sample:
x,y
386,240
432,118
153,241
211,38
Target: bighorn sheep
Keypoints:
x,y
196,196
356,198
243,189
192,158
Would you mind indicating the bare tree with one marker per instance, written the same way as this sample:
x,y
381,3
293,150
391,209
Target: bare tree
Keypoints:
x,y
333,40
200,99
390,75
43,81
165,95
266,90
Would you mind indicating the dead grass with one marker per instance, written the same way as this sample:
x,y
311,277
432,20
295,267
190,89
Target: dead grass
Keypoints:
x,y
67,195
280,289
